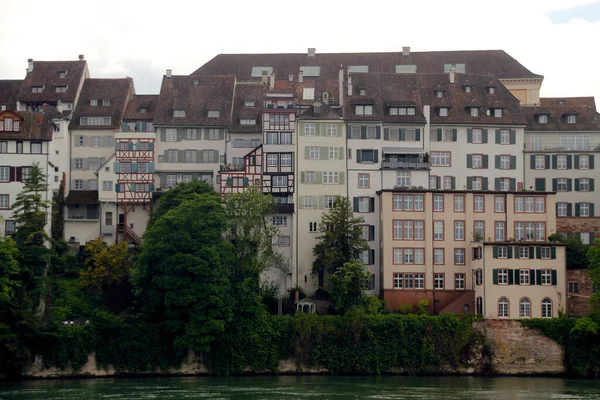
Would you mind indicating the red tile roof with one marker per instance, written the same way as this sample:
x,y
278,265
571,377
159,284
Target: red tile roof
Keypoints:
x,y
47,74
587,118
34,126
146,102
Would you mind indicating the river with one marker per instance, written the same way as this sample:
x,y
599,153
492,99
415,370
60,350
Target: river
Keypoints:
x,y
304,387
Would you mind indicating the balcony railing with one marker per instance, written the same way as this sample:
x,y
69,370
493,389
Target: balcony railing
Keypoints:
x,y
561,147
285,208
404,165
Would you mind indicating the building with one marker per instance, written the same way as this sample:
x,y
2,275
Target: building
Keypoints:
x,y
9,91
562,140
245,132
192,123
96,120
460,249
25,138
580,288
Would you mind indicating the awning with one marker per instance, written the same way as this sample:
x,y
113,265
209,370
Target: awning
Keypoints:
x,y
403,150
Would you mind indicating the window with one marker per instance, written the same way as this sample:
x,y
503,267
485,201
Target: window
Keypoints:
x,y
94,121
584,209
448,182
36,148
279,220
498,113
309,129
438,202
438,230
4,201
477,161
440,158
314,153
561,209
504,136
542,119
37,89
503,277
573,287
271,138
584,161
410,135
279,181
330,178
279,121
312,227
561,161
418,200
403,178
190,156
363,181
4,174
60,89
286,160
523,277
371,132
546,308
503,307
10,227
213,114
364,110
478,203
499,204
443,111
474,111
459,281
546,277
179,113
309,177
308,93
459,203
448,135
107,186
363,204
355,132
78,184
504,162
170,135
272,160
561,185
459,256
477,134
571,119
3,147
540,205
478,230
171,180
540,162
524,253
499,230
459,230
408,230
433,182
438,281
334,153
284,138
332,130
584,185
172,157
439,93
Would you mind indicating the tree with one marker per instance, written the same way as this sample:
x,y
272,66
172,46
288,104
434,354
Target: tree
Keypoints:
x,y
175,196
181,274
347,285
576,251
341,239
9,269
58,212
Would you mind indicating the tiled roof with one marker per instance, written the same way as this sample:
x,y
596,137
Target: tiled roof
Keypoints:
x,y
481,62
117,91
196,96
587,119
146,102
325,113
34,126
253,92
82,197
47,74
9,90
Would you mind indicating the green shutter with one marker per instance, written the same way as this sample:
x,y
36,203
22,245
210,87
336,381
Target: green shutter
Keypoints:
x,y
591,161
486,161
591,209
302,177
454,134
301,202
355,204
378,132
569,210
553,252
497,136
469,135
402,134
246,182
577,209
485,136
540,184
538,276
469,161
495,275
324,153
532,161
342,152
307,153
496,183
576,161
547,162
513,136
576,185
469,182
453,182
513,162
569,185
318,177
538,253
371,232
554,184
497,162
510,252
363,132
375,156
485,183
511,280
118,188
372,204
591,184
302,129
386,133
439,134
569,162
495,250
554,277
342,178
513,184
554,161
532,276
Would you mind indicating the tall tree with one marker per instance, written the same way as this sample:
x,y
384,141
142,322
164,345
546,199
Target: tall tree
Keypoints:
x,y
341,239
181,274
175,196
58,212
347,285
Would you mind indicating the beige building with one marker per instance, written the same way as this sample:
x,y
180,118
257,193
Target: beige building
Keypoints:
x,y
435,243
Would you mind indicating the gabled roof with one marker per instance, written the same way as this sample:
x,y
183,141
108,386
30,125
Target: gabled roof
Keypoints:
x,y
587,118
33,126
116,91
196,96
9,91
325,113
140,102
47,74
481,62
251,92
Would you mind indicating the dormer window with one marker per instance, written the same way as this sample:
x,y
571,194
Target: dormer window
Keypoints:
x,y
106,103
317,109
179,113
491,90
443,111
362,92
93,103
143,111
402,111
247,121
497,112
37,89
248,103
62,74
214,114
61,89
439,93
474,112
468,89
542,119
571,118
308,94
10,125
365,109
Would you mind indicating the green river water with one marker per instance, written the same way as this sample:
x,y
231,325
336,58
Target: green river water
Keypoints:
x,y
305,387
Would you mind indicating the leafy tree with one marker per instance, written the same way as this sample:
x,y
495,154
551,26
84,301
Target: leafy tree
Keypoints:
x,y
593,256
576,251
181,274
341,239
175,196
9,269
58,212
347,285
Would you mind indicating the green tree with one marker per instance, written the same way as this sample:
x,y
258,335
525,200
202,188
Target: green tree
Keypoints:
x,y
576,251
181,274
58,212
9,269
593,256
175,196
347,285
340,241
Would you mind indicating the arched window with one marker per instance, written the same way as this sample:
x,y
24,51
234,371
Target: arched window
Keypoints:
x,y
525,308
503,307
546,308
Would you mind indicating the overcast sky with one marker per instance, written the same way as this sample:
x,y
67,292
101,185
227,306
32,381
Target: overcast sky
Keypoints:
x,y
554,38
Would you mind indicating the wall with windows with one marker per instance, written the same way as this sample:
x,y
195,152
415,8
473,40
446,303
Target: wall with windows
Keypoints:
x,y
89,150
239,145
522,281
60,154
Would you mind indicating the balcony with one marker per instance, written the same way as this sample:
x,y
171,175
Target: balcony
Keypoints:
x,y
231,167
285,208
558,147
405,163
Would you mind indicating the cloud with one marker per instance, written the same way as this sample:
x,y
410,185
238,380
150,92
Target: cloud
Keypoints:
x,y
587,12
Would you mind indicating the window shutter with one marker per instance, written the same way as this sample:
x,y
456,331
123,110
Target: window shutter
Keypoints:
x,y
532,276
402,134
302,130
319,177
301,202
591,184
569,209
569,162
553,252
246,182
453,182
513,136
151,166
355,201
485,136
386,133
342,152
554,184
133,166
372,204
540,184
576,161
569,185
538,252
363,132
495,249
469,183
358,156
497,162
132,187
510,252
324,153
469,161
371,232
576,185
348,132
152,187
513,184
378,132
181,156
372,257
532,161
439,134
116,167
229,181
538,276
302,177
485,161
485,183
469,135
376,156
511,278
123,126
591,161
497,136
547,163
418,135
495,275
150,145
86,164
496,183
163,135
554,277
577,209
554,161
342,178
306,152
513,162
118,188
591,209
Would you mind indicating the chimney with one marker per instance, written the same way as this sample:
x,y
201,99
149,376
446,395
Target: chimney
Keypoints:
x,y
312,52
341,85
169,73
300,77
59,106
30,65
265,77
81,57
406,51
452,73
291,77
349,85
272,80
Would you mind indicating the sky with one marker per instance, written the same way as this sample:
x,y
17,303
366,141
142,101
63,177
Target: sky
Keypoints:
x,y
141,39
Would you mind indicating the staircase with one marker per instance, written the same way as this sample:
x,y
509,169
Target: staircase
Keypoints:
x,y
129,233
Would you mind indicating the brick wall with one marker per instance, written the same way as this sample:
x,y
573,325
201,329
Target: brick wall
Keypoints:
x,y
578,225
577,303
444,298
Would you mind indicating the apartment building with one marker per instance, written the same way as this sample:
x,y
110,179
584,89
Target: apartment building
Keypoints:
x,y
562,141
192,121
25,138
321,169
460,250
96,120
245,132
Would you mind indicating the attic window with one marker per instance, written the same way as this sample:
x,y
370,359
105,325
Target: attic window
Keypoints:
x,y
317,109
311,71
214,114
443,111
406,69
458,68
10,125
93,102
474,112
571,118
366,109
496,112
358,68
542,119
61,89
491,90
247,121
179,113
402,111
308,93
248,103
62,74
439,93
37,89
258,71
93,121
106,102
362,92
468,89
143,111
